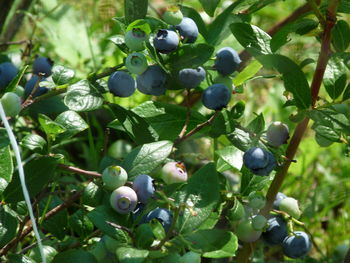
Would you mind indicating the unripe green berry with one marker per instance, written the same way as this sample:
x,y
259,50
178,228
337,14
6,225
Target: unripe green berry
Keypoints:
x,y
135,39
246,233
114,177
237,212
136,63
256,200
173,15
19,91
259,222
174,172
11,104
291,207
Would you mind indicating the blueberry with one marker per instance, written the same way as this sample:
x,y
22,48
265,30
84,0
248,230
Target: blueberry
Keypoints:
x,y
164,216
123,200
144,188
152,81
173,15
277,134
30,86
259,161
290,206
237,212
227,61
279,197
191,78
136,63
11,103
296,246
246,233
174,172
276,231
114,177
188,30
135,38
216,97
8,72
121,84
166,41
42,65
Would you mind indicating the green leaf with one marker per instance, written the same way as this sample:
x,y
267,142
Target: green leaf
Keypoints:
x,y
251,182
222,124
33,142
209,6
137,127
166,119
50,127
131,255
257,125
190,56
193,14
38,173
231,156
256,5
83,96
213,243
14,83
341,35
140,24
81,224
135,9
62,75
202,194
6,167
327,133
247,73
74,256
72,123
252,38
294,79
346,94
4,138
334,78
104,217
8,226
145,158
240,139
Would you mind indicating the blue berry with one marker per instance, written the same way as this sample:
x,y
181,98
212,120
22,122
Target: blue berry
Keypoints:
x,y
135,38
152,81
188,30
123,200
259,161
216,96
144,188
166,41
279,197
277,134
30,86
42,65
136,63
296,246
121,84
191,77
8,72
227,61
276,231
164,216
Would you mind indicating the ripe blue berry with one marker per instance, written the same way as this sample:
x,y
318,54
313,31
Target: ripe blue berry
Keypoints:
x,y
114,177
135,38
42,65
174,172
11,103
136,63
296,246
259,161
166,41
227,61
276,231
216,97
123,200
144,188
8,72
277,134
191,77
121,84
188,30
173,15
152,81
279,197
30,86
164,216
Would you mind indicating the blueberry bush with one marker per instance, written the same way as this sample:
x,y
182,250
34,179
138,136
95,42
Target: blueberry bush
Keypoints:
x,y
174,131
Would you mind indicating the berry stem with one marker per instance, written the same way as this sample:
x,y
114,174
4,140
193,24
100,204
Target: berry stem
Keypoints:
x,y
245,253
79,171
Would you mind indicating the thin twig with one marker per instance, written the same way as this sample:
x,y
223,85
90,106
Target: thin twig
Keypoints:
x,y
79,171
188,113
19,42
